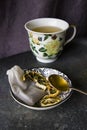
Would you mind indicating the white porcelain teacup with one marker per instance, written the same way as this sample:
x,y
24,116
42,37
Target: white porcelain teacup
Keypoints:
x,y
47,37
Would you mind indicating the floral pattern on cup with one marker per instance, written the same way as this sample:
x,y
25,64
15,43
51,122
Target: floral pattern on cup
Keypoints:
x,y
46,45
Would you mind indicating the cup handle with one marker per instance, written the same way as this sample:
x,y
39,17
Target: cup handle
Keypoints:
x,y
73,35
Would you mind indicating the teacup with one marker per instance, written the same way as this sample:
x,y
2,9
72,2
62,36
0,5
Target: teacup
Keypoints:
x,y
47,37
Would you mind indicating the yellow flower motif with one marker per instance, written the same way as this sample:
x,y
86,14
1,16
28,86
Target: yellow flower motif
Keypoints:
x,y
31,34
53,47
35,40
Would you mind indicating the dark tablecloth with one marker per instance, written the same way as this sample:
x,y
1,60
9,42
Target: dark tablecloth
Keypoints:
x,y
71,115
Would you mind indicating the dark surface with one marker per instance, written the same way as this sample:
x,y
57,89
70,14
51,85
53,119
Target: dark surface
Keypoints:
x,y
71,115
15,13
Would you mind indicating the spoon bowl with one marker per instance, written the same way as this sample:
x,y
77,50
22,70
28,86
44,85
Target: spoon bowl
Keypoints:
x,y
61,84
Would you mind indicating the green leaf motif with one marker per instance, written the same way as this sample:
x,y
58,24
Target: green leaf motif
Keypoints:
x,y
45,54
47,36
40,38
60,38
36,51
50,56
33,47
42,49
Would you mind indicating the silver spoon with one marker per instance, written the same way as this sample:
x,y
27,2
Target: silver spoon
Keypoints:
x,y
61,84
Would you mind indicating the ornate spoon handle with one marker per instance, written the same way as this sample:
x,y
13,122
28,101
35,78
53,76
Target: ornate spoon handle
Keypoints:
x,y
80,91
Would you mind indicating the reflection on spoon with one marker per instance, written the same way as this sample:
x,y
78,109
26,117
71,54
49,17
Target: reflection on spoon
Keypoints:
x,y
61,84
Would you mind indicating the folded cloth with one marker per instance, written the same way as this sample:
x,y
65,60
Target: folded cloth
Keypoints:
x,y
26,91
15,77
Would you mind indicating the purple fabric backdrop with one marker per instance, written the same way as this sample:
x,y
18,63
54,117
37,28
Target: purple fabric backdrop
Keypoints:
x,y
15,13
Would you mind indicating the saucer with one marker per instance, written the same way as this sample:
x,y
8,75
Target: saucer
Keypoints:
x,y
46,72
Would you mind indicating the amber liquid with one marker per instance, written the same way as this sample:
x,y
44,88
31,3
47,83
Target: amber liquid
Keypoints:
x,y
47,29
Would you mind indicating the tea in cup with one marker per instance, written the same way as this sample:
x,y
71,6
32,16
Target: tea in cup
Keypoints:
x,y
47,37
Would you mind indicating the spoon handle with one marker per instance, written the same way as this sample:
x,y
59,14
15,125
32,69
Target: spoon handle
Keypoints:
x,y
80,91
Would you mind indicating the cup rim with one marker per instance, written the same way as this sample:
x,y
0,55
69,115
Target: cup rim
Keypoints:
x,y
25,25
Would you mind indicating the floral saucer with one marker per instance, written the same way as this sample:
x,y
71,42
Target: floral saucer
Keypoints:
x,y
47,72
